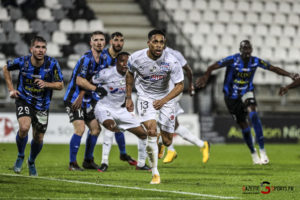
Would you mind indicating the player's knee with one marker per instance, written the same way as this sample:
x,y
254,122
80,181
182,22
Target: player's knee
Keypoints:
x,y
142,136
79,130
167,142
38,138
23,129
96,131
151,132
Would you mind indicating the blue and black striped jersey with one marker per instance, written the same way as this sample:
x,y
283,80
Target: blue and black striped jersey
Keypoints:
x,y
39,98
106,59
86,67
239,75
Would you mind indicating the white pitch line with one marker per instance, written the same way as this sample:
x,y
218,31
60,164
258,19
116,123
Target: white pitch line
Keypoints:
x,y
120,186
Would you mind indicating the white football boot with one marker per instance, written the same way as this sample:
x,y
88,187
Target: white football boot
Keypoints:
x,y
263,157
255,158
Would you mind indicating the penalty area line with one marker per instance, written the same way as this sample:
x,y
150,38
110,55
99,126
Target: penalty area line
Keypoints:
x,y
121,186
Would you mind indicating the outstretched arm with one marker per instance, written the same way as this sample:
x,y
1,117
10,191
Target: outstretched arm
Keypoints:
x,y
282,72
202,80
129,85
189,74
284,90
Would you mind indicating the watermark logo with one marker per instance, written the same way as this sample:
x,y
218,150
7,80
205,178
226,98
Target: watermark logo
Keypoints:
x,y
265,187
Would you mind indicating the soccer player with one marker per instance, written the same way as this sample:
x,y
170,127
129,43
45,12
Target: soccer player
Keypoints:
x,y
39,76
151,69
179,129
239,93
111,112
80,108
108,58
284,90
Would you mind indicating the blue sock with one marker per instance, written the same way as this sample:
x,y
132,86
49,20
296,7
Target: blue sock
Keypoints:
x,y
257,128
121,142
91,141
35,150
248,138
21,144
74,147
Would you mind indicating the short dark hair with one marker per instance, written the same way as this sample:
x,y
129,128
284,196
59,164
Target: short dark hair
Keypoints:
x,y
154,32
37,38
116,34
123,53
96,33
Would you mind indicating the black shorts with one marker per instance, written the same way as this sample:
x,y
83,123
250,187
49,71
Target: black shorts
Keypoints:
x,y
237,109
86,114
39,118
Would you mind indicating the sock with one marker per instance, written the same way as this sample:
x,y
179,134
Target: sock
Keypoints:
x,y
74,147
120,139
90,144
152,150
106,146
248,138
35,150
142,154
171,147
21,144
188,136
257,128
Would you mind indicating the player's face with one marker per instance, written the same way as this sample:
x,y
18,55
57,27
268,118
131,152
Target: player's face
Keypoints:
x,y
122,64
117,43
38,50
245,49
156,45
97,42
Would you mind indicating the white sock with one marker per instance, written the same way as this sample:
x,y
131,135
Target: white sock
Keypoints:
x,y
171,147
188,136
152,150
142,154
106,146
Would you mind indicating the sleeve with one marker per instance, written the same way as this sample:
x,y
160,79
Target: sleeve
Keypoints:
x,y
263,64
99,77
180,58
57,74
226,61
15,64
130,64
83,67
177,73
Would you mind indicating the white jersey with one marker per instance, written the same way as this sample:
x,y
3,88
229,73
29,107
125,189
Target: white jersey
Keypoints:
x,y
152,76
115,85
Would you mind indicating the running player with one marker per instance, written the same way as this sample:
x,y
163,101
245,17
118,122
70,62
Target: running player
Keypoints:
x,y
108,58
239,93
151,70
80,108
111,112
179,129
39,76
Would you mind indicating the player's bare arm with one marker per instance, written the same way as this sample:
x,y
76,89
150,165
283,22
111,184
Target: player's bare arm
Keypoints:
x,y
129,84
189,74
284,90
12,92
201,81
158,104
78,101
282,72
52,85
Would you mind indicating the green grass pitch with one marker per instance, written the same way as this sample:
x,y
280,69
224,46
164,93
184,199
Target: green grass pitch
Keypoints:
x,y
228,174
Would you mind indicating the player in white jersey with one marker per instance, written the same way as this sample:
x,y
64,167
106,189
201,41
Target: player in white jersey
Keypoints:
x,y
151,70
179,129
110,111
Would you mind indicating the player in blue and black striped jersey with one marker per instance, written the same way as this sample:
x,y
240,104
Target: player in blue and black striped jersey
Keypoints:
x,y
39,75
109,58
239,93
79,101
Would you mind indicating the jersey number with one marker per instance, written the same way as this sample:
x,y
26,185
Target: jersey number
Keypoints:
x,y
22,109
144,105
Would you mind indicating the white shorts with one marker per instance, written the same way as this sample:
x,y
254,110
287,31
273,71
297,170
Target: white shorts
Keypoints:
x,y
178,109
124,119
166,115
